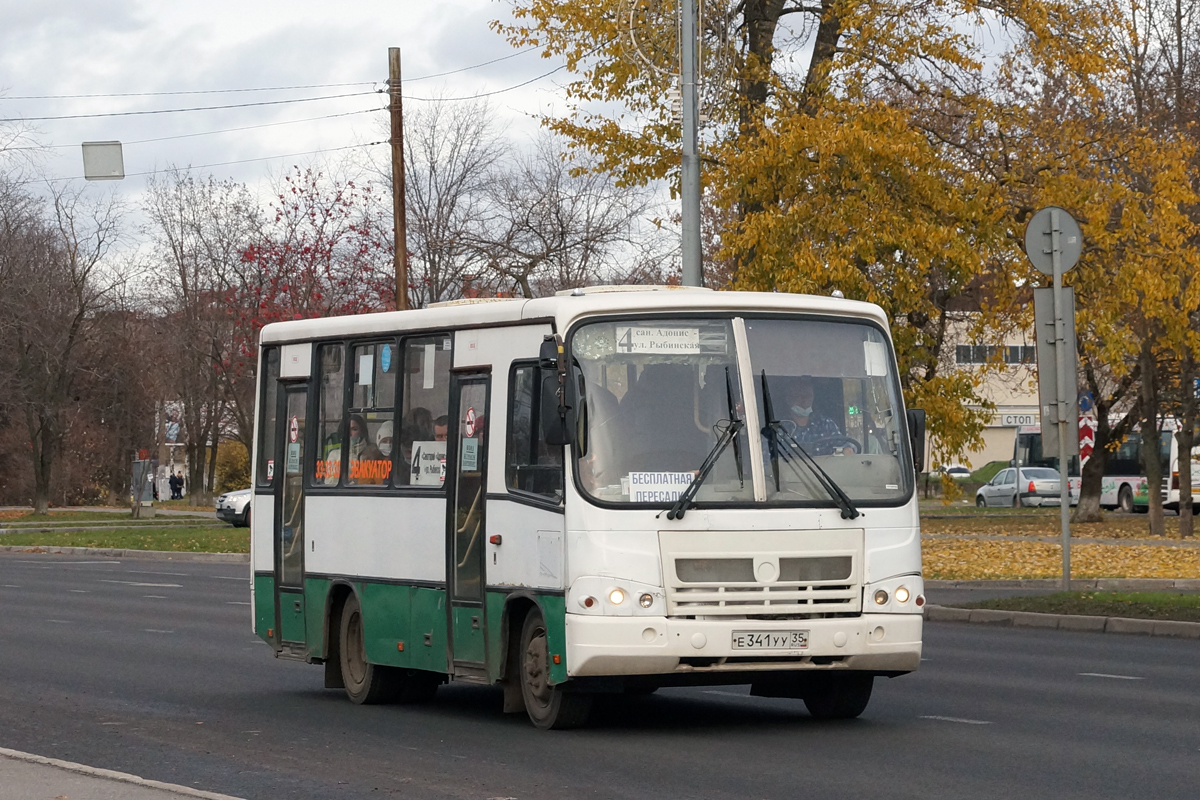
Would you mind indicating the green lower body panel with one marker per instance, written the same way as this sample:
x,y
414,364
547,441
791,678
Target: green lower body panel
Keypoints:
x,y
291,616
264,606
405,626
469,634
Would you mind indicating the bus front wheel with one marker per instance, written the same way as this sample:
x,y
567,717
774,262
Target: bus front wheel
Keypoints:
x,y
838,695
547,705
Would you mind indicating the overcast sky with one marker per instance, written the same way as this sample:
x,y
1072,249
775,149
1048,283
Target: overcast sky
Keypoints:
x,y
94,47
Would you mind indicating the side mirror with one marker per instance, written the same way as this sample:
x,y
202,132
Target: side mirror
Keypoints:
x,y
916,436
559,396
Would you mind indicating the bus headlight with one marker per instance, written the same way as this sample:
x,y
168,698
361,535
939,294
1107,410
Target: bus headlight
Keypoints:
x,y
881,597
901,595
646,600
616,597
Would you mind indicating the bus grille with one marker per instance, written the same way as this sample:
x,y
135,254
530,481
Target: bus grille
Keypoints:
x,y
764,575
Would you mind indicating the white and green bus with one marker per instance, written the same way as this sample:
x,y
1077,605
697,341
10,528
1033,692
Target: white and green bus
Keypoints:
x,y
599,492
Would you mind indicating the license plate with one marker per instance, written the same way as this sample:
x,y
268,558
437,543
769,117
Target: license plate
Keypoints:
x,y
770,640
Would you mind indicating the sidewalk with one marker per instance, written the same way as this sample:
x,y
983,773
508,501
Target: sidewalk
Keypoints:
x,y
28,777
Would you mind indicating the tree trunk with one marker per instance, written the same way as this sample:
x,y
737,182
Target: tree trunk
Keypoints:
x,y
1091,484
1186,437
1151,439
41,439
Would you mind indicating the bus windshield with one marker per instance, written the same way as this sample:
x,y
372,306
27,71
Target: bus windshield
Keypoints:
x,y
833,394
660,392
659,395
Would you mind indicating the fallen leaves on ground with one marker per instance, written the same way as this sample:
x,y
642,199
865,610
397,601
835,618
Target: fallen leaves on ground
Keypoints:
x,y
974,559
1115,526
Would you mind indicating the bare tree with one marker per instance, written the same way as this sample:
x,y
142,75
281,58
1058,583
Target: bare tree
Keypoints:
x,y
53,293
450,150
549,225
199,229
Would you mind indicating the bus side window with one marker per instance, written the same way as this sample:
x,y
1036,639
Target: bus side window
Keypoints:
x,y
425,406
530,464
331,401
370,423
265,469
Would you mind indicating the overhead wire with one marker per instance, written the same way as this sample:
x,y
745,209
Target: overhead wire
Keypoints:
x,y
260,88
194,108
239,161
222,130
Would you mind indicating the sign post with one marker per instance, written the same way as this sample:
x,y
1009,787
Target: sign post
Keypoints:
x,y
1053,242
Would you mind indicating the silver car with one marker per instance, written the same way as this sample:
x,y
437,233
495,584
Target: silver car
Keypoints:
x,y
234,508
1028,486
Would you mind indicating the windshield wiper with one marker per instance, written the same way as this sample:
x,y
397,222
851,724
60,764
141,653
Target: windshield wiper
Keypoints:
x,y
728,435
793,451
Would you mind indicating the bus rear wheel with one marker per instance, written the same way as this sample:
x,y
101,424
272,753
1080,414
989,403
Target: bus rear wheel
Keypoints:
x,y
838,695
1125,500
547,705
366,683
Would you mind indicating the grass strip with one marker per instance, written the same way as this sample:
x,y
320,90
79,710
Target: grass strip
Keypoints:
x,y
1138,605
214,539
10,517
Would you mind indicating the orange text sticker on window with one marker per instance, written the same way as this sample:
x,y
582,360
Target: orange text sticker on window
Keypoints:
x,y
373,470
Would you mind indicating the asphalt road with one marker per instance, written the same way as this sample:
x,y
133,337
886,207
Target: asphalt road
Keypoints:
x,y
150,667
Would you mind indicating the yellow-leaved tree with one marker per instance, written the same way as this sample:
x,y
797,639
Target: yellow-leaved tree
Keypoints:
x,y
859,146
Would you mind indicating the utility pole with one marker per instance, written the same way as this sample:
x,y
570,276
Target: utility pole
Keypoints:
x,y
400,232
690,172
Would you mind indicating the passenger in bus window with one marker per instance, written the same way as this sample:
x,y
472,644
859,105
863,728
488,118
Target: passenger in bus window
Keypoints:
x,y
364,456
441,428
383,439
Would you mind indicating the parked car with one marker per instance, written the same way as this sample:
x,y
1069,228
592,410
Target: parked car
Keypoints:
x,y
958,471
1028,486
234,508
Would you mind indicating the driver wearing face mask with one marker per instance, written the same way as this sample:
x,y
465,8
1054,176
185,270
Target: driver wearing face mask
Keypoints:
x,y
811,425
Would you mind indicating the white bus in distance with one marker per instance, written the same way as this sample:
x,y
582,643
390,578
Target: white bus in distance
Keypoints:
x,y
603,491
1123,486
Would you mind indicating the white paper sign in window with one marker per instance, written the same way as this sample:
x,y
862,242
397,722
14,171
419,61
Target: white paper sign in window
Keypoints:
x,y
366,369
428,466
876,357
655,339
658,487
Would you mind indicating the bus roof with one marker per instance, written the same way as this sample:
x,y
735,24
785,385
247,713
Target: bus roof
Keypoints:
x,y
564,309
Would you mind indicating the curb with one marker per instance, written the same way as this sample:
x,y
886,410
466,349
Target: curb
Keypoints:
x,y
1064,622
108,774
1113,584
157,555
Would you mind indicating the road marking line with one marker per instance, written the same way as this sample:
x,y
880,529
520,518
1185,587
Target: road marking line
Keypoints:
x,y
155,596
956,719
78,591
11,586
143,572
149,585
1116,677
114,723
152,630
228,578
63,621
726,694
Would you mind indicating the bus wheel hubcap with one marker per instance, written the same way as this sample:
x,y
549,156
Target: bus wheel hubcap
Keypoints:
x,y
535,668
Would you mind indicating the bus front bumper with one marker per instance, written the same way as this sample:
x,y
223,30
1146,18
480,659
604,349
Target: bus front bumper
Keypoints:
x,y
598,645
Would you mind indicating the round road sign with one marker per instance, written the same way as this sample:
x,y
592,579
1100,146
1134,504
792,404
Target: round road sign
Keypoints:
x,y
1039,240
469,422
294,430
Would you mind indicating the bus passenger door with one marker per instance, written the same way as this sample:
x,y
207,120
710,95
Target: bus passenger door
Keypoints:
x,y
289,520
466,526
